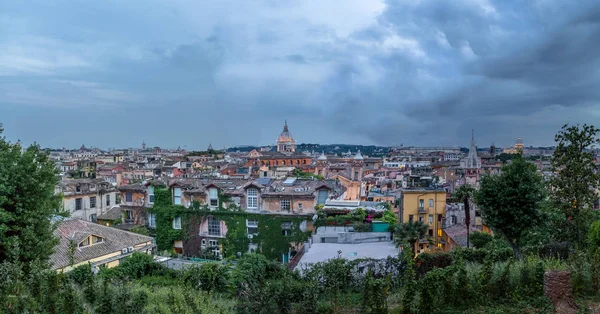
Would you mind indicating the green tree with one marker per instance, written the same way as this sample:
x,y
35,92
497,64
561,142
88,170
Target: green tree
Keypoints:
x,y
410,232
574,189
465,194
27,204
511,202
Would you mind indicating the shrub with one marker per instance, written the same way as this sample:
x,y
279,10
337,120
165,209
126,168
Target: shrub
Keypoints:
x,y
207,277
428,261
80,273
480,239
140,230
362,227
375,294
594,234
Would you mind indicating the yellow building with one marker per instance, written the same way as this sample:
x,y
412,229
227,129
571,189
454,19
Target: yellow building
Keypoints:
x,y
427,205
83,242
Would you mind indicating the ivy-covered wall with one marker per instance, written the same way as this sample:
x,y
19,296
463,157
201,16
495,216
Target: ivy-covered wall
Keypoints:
x,y
270,239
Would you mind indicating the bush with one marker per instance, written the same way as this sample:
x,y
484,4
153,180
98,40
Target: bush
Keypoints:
x,y
594,234
140,230
480,239
207,277
479,255
362,227
81,273
428,261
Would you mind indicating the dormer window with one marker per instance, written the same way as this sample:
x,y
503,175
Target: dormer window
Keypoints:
x,y
213,197
92,239
252,198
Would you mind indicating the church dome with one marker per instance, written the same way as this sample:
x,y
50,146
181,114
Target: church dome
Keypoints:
x,y
519,141
285,135
358,156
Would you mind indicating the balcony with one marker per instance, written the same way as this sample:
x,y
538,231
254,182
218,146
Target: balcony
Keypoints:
x,y
212,234
422,210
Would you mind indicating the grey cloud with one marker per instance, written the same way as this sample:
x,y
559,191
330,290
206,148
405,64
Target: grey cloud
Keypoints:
x,y
420,73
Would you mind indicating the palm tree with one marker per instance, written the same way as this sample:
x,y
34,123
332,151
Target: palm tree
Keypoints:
x,y
410,232
464,194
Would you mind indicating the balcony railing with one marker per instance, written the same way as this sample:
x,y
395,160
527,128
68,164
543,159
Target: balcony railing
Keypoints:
x,y
422,210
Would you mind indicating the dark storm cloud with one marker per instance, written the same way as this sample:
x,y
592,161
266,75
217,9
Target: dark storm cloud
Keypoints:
x,y
186,74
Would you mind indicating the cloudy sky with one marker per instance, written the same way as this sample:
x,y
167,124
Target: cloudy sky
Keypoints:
x,y
188,73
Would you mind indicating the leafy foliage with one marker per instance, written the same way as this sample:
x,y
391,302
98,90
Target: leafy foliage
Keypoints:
x,y
574,188
27,204
480,239
510,203
410,232
208,277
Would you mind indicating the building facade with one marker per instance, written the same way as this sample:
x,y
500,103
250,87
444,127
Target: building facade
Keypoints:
x,y
427,205
86,199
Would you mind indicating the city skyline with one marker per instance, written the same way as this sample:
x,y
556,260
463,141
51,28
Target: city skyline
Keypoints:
x,y
229,73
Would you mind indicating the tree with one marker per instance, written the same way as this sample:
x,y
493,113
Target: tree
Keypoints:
x,y
27,204
511,202
410,232
574,189
464,194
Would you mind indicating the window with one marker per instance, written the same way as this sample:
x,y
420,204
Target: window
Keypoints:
x,y
107,200
177,196
284,204
252,198
322,196
300,206
152,220
431,202
85,242
128,197
150,194
213,197
421,219
214,246
264,174
93,218
96,239
177,222
93,202
410,218
454,220
355,175
214,226
431,232
440,217
78,188
286,228
78,204
252,227
430,219
421,203
128,215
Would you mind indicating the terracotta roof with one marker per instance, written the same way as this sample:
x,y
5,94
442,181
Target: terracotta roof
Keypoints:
x,y
114,240
458,233
112,214
133,187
